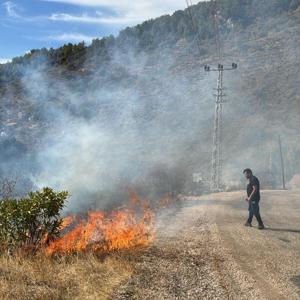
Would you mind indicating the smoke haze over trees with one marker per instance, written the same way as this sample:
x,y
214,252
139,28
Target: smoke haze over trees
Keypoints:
x,y
138,109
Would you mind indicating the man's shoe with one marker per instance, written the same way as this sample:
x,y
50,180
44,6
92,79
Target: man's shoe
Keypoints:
x,y
247,224
261,227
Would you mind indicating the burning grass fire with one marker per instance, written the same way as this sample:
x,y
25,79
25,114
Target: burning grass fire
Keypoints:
x,y
100,232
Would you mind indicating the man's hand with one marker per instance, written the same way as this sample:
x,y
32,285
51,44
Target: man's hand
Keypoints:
x,y
247,199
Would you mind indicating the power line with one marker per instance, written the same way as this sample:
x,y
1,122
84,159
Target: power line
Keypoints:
x,y
195,28
217,31
216,161
216,183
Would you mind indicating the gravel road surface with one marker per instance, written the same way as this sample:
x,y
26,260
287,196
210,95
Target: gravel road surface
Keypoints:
x,y
203,251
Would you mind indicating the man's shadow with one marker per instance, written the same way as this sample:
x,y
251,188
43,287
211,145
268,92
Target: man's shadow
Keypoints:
x,y
283,230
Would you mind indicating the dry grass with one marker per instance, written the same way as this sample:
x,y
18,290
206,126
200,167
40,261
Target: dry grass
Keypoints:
x,y
69,278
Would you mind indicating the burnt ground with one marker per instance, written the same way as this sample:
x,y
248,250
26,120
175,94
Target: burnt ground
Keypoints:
x,y
203,251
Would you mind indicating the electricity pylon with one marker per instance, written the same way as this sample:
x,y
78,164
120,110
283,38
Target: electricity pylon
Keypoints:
x,y
216,183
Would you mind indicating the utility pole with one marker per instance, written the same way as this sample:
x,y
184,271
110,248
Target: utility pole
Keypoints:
x,y
282,163
270,167
216,183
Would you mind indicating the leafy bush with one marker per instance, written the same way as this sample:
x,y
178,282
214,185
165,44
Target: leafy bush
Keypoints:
x,y
30,221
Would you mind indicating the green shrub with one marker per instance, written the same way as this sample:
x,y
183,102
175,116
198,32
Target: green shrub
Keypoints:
x,y
30,221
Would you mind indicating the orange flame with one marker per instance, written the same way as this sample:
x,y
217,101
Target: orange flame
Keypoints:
x,y
100,232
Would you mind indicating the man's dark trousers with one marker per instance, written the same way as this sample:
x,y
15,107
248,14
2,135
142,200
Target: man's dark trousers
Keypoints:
x,y
254,210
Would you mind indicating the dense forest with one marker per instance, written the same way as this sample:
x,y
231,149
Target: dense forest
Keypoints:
x,y
147,89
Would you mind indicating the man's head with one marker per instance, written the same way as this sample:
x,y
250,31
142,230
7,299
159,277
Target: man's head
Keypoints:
x,y
247,173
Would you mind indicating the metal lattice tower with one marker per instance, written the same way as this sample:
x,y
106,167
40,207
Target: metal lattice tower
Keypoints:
x,y
216,183
216,160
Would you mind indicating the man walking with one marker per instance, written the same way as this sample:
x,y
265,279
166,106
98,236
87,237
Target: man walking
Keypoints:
x,y
253,197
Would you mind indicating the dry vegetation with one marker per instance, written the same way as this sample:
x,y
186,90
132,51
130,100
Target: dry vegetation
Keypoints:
x,y
85,277
201,251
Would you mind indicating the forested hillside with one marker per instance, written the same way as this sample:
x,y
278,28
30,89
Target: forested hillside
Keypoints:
x,y
139,108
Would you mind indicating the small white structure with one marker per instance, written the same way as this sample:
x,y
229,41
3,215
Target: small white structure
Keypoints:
x,y
197,177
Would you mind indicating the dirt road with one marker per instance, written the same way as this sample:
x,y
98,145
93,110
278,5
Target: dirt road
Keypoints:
x,y
203,251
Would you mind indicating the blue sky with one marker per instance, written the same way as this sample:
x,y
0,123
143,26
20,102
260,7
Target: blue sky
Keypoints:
x,y
31,24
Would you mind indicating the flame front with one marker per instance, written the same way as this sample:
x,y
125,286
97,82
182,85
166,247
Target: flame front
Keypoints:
x,y
100,232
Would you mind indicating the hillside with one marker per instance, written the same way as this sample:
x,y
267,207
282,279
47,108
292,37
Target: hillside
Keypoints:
x,y
138,108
